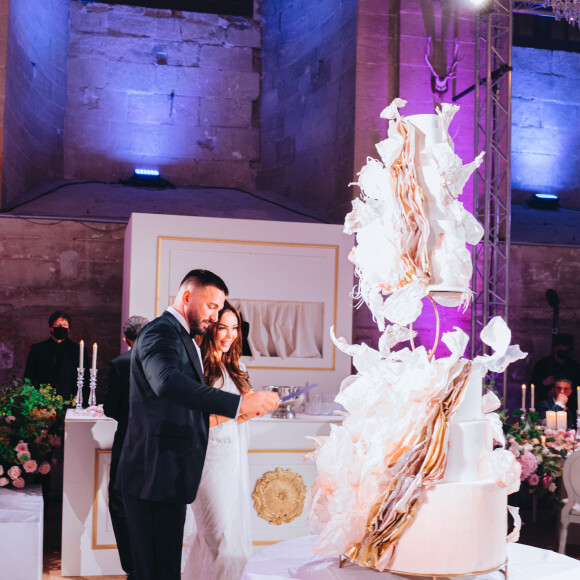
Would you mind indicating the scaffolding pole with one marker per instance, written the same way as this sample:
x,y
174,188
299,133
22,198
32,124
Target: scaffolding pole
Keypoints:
x,y
492,194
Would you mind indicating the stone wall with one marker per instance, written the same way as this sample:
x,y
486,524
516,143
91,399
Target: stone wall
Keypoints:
x,y
162,89
35,95
545,117
307,108
52,265
533,270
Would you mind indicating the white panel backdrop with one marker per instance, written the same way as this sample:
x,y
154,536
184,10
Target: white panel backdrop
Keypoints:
x,y
259,261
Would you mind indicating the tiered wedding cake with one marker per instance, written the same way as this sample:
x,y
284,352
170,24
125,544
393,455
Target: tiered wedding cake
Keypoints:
x,y
409,482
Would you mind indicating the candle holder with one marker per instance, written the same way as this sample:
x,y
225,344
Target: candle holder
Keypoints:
x,y
93,385
80,382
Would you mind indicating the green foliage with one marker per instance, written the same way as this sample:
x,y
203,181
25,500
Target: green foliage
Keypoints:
x,y
548,450
32,419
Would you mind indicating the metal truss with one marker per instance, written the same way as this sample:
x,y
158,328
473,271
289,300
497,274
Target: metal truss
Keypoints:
x,y
492,195
536,8
492,188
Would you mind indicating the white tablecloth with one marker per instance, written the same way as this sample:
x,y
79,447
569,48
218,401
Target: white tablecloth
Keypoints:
x,y
295,559
21,526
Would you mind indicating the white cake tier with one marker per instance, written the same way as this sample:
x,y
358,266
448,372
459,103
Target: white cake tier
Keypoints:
x,y
469,446
460,528
446,237
470,408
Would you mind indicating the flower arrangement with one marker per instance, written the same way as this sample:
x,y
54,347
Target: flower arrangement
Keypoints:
x,y
31,427
540,452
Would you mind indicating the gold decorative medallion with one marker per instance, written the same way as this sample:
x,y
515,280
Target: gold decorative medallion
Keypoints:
x,y
279,496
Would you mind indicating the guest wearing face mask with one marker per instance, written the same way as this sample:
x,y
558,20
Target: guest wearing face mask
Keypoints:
x,y
55,361
559,364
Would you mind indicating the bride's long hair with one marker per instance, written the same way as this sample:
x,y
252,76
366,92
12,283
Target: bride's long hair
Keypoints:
x,y
213,368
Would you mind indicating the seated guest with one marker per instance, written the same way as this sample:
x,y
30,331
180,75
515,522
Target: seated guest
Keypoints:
x,y
559,364
560,399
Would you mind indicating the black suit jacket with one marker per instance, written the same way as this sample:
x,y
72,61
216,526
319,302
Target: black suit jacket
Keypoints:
x,y
116,403
40,368
167,434
550,405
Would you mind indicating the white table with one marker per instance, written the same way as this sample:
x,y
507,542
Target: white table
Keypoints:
x,y
283,443
21,522
295,559
88,541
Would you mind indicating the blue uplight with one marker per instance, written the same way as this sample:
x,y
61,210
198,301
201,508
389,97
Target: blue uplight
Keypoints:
x,y
546,196
147,172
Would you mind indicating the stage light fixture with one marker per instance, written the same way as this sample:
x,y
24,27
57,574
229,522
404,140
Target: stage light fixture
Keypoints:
x,y
544,201
150,178
147,172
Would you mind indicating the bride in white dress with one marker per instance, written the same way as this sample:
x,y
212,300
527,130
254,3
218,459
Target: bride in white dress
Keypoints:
x,y
222,542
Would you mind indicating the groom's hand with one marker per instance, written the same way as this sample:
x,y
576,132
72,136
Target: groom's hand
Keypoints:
x,y
257,404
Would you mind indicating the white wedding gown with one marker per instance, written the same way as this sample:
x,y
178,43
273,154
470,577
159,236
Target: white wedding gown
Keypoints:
x,y
222,542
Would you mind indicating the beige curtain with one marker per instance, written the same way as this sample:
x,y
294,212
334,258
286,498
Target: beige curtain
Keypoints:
x,y
283,329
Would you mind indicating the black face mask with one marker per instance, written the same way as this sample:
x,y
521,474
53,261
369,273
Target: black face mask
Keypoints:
x,y
563,354
60,332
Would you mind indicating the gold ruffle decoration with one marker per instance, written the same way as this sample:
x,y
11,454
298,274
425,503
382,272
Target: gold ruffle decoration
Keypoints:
x,y
416,469
279,496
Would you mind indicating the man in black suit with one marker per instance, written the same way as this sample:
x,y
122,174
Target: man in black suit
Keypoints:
x,y
116,406
55,361
560,398
559,364
166,441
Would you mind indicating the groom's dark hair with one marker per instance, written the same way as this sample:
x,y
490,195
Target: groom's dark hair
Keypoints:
x,y
205,278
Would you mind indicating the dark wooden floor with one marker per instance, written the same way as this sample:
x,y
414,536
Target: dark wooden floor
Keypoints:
x,y
543,534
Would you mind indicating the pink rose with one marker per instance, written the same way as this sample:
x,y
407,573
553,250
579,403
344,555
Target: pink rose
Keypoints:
x,y
1,469
21,447
528,463
533,479
38,439
14,472
23,456
10,418
30,466
44,468
43,433
54,440
19,482
4,481
546,481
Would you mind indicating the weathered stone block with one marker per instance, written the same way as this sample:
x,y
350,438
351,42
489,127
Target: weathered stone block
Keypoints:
x,y
225,58
244,35
225,113
204,28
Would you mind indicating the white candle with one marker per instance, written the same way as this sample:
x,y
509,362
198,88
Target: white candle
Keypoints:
x,y
524,398
532,397
551,420
81,353
94,356
561,420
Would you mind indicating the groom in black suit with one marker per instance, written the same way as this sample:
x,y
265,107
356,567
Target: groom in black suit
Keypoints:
x,y
166,440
